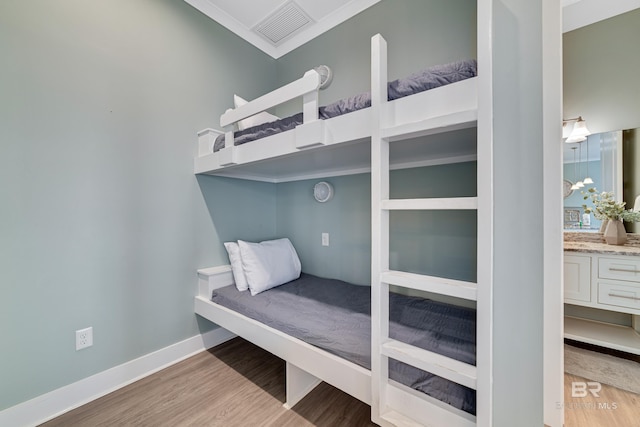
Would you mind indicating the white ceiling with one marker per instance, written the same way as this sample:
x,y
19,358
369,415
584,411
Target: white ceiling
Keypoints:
x,y
298,21
244,17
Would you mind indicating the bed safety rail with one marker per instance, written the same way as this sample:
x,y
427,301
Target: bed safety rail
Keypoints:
x,y
309,133
206,139
307,87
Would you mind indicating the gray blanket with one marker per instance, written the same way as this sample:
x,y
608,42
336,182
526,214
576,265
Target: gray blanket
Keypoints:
x,y
336,316
430,78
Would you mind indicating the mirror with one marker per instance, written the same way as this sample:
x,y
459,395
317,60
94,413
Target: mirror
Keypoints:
x,y
631,173
611,160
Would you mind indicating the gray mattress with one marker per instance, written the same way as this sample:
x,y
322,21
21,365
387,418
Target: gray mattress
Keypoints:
x,y
430,78
336,316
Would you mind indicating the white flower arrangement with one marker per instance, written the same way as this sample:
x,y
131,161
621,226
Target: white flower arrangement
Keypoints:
x,y
605,206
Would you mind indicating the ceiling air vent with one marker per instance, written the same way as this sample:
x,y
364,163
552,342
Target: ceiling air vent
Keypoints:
x,y
283,23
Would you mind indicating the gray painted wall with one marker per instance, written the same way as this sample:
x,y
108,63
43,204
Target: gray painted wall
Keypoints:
x,y
601,73
419,33
518,265
102,222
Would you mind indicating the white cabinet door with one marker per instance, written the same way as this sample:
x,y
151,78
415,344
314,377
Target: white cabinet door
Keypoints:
x,y
577,278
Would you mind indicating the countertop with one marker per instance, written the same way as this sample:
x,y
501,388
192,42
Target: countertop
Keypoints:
x,y
594,243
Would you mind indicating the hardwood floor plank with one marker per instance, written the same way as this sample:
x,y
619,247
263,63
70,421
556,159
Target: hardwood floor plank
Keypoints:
x,y
239,384
613,407
234,384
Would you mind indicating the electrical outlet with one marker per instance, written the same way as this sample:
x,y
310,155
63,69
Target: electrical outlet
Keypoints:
x,y
84,338
325,239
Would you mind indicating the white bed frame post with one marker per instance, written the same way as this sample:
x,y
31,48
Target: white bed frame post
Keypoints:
x,y
380,229
310,99
484,317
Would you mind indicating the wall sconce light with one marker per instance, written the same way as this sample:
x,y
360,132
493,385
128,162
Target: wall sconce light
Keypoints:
x,y
579,132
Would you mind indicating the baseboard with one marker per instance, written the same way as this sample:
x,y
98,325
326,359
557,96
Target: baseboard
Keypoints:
x,y
50,405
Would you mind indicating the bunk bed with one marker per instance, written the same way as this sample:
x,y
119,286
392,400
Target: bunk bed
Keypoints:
x,y
337,145
335,139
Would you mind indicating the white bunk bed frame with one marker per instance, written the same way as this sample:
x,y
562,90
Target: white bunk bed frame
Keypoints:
x,y
445,109
340,145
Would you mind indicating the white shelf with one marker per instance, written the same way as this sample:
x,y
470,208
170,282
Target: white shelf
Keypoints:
x,y
623,338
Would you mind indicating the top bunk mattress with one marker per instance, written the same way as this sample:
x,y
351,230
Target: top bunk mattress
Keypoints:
x,y
336,316
429,78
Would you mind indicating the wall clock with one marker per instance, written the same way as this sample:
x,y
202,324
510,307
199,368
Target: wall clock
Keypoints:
x,y
566,188
323,191
326,75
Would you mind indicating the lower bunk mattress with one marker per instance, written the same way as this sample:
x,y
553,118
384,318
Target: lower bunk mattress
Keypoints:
x,y
336,316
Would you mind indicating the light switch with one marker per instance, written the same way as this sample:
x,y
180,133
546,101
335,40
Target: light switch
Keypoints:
x,y
325,239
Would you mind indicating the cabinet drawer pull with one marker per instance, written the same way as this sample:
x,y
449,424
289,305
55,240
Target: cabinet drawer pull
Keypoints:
x,y
624,270
624,296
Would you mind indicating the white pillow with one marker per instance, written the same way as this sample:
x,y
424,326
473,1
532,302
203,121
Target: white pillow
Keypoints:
x,y
269,264
254,120
236,265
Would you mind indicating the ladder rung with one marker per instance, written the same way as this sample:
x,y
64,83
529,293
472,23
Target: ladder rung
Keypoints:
x,y
442,366
441,203
438,285
423,408
399,420
448,122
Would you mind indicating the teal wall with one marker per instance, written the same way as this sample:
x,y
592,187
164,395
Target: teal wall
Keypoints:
x,y
347,219
437,243
102,222
409,27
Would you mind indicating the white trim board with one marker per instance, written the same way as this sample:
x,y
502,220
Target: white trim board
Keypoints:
x,y
349,171
580,13
57,402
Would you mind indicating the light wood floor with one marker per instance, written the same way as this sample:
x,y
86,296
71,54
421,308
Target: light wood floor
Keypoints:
x,y
613,407
234,384
239,384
